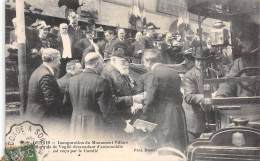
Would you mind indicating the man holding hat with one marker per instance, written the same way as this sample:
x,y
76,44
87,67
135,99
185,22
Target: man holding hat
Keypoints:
x,y
194,95
44,97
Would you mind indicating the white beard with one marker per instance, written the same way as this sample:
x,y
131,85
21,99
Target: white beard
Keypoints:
x,y
121,70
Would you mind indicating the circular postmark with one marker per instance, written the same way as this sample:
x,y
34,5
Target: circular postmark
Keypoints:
x,y
29,133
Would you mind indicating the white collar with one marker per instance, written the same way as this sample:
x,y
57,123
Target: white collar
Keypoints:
x,y
50,68
155,65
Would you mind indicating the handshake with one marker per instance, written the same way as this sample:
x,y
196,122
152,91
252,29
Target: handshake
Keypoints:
x,y
138,101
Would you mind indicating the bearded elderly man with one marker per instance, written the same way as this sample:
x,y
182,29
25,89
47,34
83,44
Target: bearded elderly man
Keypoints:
x,y
44,97
122,85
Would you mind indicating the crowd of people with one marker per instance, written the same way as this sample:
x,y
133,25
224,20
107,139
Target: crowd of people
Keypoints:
x,y
86,80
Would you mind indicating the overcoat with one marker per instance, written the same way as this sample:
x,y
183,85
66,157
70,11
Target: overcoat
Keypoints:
x,y
193,95
44,97
163,106
91,100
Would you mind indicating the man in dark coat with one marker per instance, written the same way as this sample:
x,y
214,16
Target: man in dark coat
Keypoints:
x,y
163,102
44,97
122,85
75,34
194,96
90,96
73,68
138,48
110,38
166,47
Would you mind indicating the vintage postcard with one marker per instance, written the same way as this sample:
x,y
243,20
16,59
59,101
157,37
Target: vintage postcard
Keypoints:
x,y
131,80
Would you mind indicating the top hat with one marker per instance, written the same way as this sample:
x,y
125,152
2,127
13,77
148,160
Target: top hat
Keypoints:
x,y
151,26
98,33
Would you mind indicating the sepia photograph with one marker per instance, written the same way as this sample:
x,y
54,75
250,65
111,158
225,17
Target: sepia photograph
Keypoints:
x,y
131,80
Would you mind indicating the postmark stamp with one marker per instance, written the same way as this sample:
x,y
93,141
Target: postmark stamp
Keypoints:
x,y
28,133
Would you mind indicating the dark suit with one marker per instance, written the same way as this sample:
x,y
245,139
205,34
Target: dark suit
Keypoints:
x,y
122,90
163,106
44,98
149,42
91,100
75,35
138,46
108,48
63,83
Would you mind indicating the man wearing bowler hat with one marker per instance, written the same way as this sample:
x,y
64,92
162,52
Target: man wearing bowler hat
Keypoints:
x,y
193,94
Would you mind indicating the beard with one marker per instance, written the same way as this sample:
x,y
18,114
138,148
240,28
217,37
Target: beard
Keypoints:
x,y
121,69
124,71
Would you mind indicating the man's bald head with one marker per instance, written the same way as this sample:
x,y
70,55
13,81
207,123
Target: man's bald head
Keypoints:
x,y
94,61
91,58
